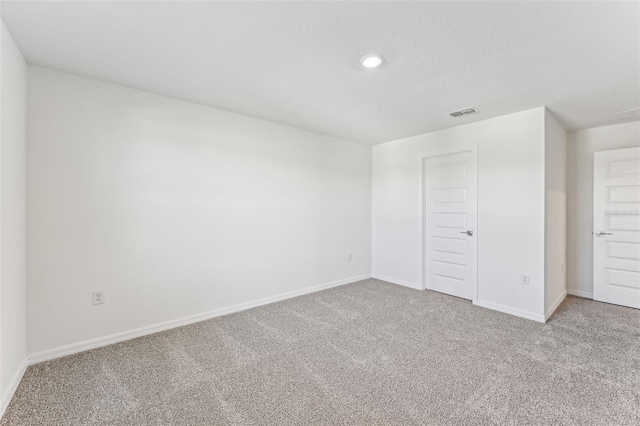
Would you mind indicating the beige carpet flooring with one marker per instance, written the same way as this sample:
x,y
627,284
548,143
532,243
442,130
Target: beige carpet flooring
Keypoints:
x,y
369,353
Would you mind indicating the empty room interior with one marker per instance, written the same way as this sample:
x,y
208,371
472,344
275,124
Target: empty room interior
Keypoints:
x,y
319,212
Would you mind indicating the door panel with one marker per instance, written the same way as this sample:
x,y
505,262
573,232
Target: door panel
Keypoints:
x,y
620,250
450,211
616,219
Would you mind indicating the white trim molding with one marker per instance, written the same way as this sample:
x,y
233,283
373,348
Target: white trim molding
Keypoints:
x,y
397,281
511,311
555,305
13,386
580,293
155,328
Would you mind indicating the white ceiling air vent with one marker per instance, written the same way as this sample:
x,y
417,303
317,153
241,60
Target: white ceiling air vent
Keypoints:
x,y
462,112
630,113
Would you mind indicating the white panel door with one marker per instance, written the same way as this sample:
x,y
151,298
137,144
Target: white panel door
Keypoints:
x,y
450,224
616,220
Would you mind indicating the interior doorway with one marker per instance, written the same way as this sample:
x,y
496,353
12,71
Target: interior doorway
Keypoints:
x,y
616,221
450,183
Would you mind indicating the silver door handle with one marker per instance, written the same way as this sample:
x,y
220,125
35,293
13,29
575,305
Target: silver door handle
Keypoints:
x,y
469,233
602,233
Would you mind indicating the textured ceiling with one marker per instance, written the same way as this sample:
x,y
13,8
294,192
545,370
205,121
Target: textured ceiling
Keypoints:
x,y
297,63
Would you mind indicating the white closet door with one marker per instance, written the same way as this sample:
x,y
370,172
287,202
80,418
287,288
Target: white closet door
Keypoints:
x,y
616,220
451,208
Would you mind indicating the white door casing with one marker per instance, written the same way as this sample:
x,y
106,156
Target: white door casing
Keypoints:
x,y
450,220
616,227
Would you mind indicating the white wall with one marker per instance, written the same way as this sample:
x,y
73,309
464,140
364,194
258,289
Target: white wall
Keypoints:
x,y
582,144
13,328
176,209
555,213
511,195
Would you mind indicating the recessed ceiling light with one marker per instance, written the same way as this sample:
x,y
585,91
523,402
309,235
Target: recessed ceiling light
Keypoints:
x,y
372,61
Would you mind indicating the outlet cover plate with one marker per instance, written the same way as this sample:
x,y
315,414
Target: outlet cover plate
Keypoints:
x,y
98,297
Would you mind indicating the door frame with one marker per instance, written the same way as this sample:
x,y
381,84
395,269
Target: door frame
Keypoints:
x,y
474,279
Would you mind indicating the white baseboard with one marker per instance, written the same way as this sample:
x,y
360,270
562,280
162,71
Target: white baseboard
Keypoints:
x,y
555,305
13,386
155,328
397,281
580,293
512,311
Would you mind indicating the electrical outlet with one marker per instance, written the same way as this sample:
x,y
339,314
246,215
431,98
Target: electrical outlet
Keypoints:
x,y
98,297
349,257
525,279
